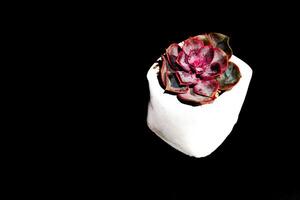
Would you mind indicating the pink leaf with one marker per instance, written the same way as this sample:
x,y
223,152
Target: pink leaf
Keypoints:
x,y
186,78
201,58
193,43
191,98
172,53
218,65
182,61
207,88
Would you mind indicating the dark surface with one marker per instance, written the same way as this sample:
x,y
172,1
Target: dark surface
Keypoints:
x,y
84,132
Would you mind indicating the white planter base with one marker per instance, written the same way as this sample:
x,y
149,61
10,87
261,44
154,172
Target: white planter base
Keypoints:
x,y
195,131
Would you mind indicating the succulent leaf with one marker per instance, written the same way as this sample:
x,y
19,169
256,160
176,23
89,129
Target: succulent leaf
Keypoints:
x,y
168,78
221,41
192,98
163,71
230,77
173,85
186,78
217,66
207,88
182,60
201,57
204,39
172,53
192,44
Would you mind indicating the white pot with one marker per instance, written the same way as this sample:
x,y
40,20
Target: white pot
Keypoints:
x,y
195,130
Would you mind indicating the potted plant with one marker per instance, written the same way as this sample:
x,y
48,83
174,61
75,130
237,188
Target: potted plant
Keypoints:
x,y
197,89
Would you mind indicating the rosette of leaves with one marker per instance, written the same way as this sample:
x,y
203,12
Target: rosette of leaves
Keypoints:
x,y
199,70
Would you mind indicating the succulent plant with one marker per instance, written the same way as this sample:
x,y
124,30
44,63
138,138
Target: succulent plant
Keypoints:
x,y
199,70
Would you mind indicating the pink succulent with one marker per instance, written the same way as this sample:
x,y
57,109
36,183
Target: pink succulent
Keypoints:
x,y
199,69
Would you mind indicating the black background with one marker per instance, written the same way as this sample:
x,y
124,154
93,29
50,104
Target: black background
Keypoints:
x,y
91,116
112,144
